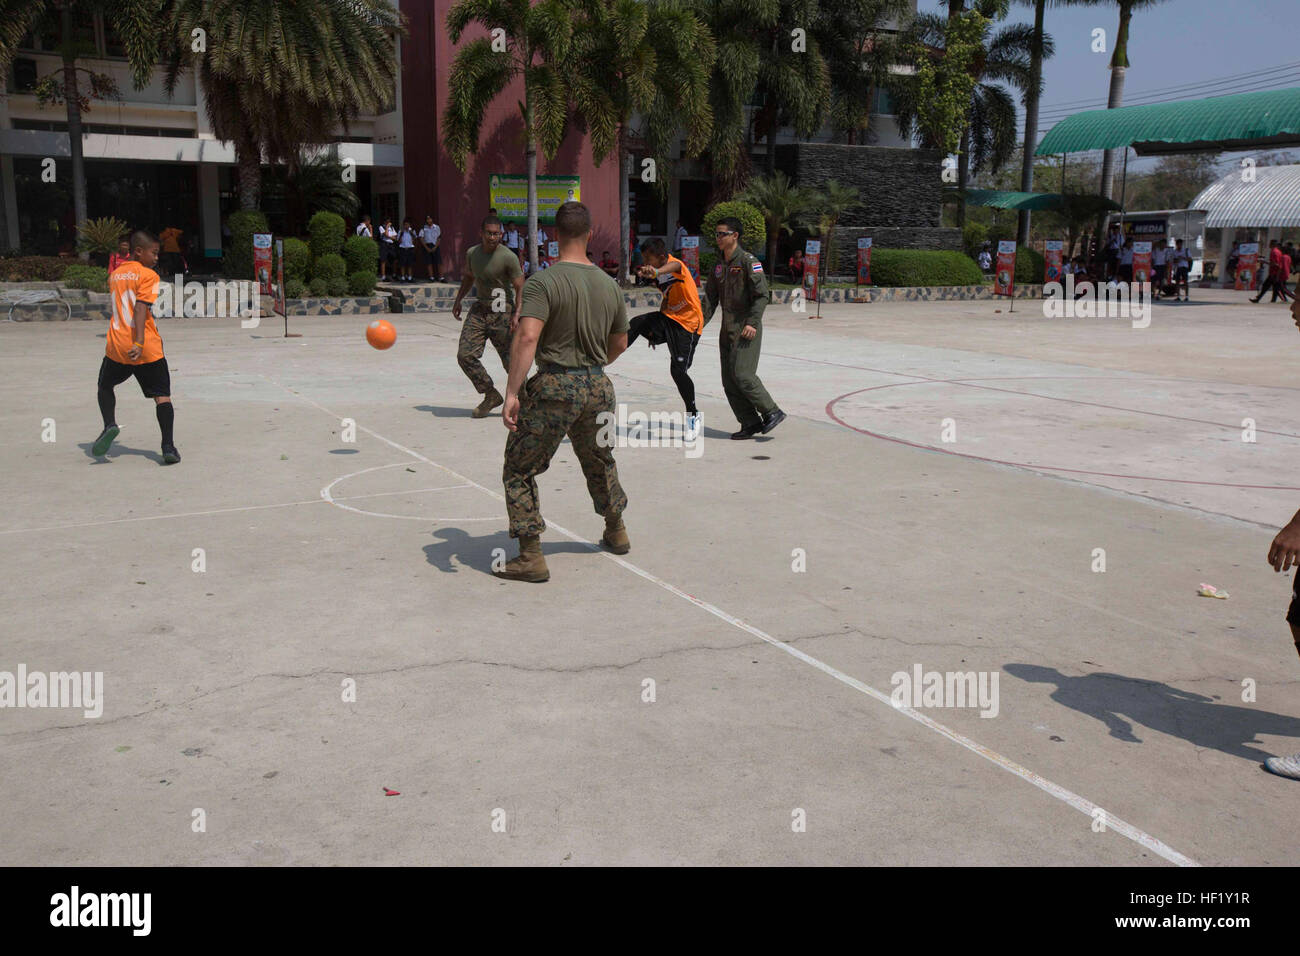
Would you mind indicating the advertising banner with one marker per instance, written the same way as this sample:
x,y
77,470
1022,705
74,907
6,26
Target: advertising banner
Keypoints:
x,y
508,195
1247,261
551,253
262,261
1141,262
864,261
812,257
691,256
1053,252
1004,275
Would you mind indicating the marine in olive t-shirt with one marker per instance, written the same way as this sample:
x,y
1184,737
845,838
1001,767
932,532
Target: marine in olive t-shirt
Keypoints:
x,y
580,308
497,270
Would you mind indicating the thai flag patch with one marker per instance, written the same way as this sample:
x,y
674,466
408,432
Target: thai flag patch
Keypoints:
x,y
756,268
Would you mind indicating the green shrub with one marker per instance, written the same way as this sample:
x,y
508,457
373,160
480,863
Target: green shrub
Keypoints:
x,y
294,288
1030,266
33,268
913,267
326,230
320,287
362,283
973,237
753,235
297,259
238,262
336,285
94,278
329,266
361,254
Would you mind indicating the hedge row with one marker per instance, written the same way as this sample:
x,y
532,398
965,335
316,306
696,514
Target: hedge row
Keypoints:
x,y
912,267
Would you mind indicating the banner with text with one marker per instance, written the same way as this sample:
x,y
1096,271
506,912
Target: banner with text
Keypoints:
x,y
691,256
812,257
1141,262
262,261
508,195
1247,261
1004,276
864,261
1053,252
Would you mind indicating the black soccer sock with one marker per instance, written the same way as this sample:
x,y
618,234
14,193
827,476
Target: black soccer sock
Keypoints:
x,y
685,387
108,406
166,416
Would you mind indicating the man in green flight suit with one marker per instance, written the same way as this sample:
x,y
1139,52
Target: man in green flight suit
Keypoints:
x,y
739,286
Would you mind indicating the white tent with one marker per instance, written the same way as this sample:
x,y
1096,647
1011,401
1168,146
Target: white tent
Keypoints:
x,y
1265,198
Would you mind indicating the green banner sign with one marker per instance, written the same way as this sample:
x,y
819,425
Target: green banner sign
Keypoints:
x,y
508,195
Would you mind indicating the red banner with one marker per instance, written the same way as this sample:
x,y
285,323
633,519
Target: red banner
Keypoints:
x,y
1053,252
262,262
551,253
864,261
1004,276
1141,262
691,256
1247,261
812,257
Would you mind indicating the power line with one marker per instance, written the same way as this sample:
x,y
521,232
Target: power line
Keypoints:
x,y
1167,89
1280,80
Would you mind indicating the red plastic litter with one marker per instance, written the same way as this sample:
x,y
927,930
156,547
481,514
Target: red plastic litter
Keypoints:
x,y
391,793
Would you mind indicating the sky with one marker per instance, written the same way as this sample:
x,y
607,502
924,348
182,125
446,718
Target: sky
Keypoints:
x,y
1204,47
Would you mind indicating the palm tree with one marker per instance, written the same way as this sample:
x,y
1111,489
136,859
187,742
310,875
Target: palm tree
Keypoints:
x,y
647,61
279,76
142,46
858,54
989,137
535,40
783,205
829,204
793,84
311,183
1031,114
733,79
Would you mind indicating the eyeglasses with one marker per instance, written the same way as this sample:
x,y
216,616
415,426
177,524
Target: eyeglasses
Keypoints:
x,y
722,235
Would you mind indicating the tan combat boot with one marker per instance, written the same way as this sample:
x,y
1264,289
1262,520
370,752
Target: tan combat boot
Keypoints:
x,y
530,565
491,399
615,536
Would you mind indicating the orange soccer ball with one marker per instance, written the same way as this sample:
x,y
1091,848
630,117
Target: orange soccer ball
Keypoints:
x,y
381,334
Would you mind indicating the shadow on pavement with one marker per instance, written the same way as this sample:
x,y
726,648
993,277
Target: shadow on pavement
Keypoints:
x,y
1201,721
116,450
476,553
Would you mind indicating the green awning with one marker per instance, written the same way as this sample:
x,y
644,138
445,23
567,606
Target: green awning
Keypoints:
x,y
1265,119
1006,199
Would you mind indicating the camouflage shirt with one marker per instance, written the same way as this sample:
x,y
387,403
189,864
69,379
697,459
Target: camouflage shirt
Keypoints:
x,y
740,287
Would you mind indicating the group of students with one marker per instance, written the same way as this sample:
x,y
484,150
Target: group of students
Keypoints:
x,y
1170,267
397,248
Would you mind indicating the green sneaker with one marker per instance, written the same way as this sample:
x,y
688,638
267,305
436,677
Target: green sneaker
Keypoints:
x,y
170,455
100,448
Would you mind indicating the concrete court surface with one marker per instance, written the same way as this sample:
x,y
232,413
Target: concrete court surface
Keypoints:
x,y
326,561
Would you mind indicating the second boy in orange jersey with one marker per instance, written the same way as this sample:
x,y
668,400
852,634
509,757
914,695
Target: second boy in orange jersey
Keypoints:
x,y
678,321
134,347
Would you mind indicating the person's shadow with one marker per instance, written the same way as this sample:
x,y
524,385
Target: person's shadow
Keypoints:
x,y
115,450
486,552
1199,720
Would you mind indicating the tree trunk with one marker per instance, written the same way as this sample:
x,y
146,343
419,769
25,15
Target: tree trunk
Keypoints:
x,y
773,234
248,158
1118,68
624,213
530,153
72,100
1031,120
963,174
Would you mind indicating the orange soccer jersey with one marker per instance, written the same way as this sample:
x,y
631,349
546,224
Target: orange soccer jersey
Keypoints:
x,y
682,300
130,283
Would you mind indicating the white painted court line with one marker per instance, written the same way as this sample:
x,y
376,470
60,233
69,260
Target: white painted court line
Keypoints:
x,y
1082,804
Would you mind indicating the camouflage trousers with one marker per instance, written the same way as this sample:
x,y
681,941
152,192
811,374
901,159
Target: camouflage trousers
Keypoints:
x,y
481,326
551,405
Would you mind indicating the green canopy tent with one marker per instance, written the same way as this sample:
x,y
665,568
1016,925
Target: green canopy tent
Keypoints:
x,y
1006,199
1265,119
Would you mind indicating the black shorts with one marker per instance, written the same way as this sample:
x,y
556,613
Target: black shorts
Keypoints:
x,y
154,378
432,257
1293,615
658,329
1126,272
1181,274
406,257
1159,274
387,253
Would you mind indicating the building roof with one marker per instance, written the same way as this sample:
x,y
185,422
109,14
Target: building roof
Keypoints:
x,y
1271,199
1266,118
1007,199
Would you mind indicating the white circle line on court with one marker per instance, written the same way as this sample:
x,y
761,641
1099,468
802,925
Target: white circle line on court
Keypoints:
x,y
1082,804
326,495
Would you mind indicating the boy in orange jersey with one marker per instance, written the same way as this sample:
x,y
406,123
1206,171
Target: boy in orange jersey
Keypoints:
x,y
134,347
678,321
